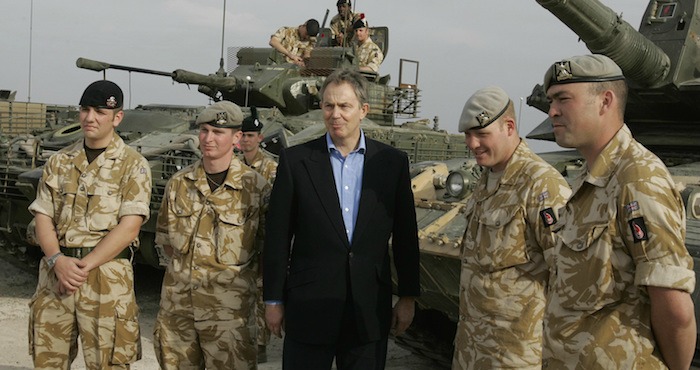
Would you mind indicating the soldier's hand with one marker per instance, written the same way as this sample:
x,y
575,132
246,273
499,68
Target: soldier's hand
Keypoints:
x,y
403,315
70,274
274,317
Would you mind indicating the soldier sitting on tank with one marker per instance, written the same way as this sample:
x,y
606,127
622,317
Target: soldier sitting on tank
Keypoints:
x,y
341,24
296,43
369,55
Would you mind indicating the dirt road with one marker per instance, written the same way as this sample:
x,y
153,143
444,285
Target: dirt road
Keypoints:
x,y
17,287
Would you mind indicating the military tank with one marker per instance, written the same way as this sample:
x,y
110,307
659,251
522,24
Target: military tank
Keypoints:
x,y
660,62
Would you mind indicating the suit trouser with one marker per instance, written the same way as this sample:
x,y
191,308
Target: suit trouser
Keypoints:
x,y
349,351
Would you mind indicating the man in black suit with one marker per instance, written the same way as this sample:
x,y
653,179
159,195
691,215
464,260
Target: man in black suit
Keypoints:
x,y
336,202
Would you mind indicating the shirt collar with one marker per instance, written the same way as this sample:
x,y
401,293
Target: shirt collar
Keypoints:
x,y
361,148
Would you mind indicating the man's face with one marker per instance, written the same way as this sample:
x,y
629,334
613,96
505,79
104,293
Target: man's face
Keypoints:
x,y
303,35
342,111
362,34
216,142
250,141
574,114
490,145
98,125
344,10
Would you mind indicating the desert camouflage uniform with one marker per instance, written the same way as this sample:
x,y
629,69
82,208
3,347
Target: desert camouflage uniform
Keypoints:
x,y
289,37
267,167
369,55
86,201
622,230
504,275
207,306
342,26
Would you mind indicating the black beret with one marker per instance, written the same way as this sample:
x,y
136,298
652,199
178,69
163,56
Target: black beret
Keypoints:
x,y
360,23
312,27
102,94
341,2
252,123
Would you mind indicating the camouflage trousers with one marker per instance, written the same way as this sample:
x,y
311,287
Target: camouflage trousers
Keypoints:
x,y
263,331
182,343
102,313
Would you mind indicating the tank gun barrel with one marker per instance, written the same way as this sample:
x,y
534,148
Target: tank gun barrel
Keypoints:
x,y
604,32
211,81
98,66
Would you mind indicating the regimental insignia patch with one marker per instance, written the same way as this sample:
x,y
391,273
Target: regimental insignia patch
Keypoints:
x,y
639,229
548,217
632,206
544,195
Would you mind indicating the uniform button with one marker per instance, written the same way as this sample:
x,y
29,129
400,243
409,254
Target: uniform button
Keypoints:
x,y
498,223
350,254
82,188
195,287
70,239
83,175
462,317
195,268
464,260
109,192
76,220
178,211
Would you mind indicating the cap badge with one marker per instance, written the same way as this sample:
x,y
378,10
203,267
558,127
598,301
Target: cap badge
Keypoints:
x,y
111,102
483,118
221,118
562,71
256,122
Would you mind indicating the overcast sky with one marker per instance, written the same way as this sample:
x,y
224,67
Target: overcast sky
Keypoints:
x,y
461,45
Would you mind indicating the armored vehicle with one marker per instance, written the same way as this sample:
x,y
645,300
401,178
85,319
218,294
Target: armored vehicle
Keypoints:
x,y
660,62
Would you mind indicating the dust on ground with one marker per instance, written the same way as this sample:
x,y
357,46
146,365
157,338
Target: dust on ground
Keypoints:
x,y
18,285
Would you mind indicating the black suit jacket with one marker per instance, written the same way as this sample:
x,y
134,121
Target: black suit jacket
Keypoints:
x,y
308,259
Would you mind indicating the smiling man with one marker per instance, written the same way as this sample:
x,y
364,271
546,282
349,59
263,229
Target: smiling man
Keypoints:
x,y
336,202
509,219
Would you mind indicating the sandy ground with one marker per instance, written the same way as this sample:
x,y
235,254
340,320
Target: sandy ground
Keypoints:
x,y
17,287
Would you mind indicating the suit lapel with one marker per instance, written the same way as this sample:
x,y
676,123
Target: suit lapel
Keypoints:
x,y
371,184
321,175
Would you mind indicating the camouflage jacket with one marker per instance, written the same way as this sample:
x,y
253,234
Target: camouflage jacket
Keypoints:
x,y
86,200
369,55
622,230
503,273
343,26
213,235
289,37
263,164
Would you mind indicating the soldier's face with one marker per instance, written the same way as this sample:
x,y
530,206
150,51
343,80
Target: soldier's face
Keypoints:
x,y
344,10
575,113
489,145
342,111
362,34
98,125
250,141
217,143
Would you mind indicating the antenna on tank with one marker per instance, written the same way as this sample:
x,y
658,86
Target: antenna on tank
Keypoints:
x,y
31,27
221,71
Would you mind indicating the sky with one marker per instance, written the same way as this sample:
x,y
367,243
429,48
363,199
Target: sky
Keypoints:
x,y
461,45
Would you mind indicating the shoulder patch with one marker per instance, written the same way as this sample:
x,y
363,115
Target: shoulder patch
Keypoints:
x,y
639,229
632,206
548,217
543,196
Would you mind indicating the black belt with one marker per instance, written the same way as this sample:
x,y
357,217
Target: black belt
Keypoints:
x,y
82,252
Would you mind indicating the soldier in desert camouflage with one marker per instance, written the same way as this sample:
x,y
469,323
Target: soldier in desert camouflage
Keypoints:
x,y
209,224
369,55
92,199
509,220
621,276
341,23
296,43
255,158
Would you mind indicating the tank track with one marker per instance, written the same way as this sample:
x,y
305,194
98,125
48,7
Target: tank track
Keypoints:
x,y
430,336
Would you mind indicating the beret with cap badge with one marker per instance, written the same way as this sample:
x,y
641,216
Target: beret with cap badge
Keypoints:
x,y
102,94
360,22
222,114
582,68
252,123
483,108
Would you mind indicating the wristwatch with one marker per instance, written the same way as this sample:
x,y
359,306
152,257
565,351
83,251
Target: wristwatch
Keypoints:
x,y
51,261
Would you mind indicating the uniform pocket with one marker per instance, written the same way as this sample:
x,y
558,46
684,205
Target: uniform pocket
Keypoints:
x,y
180,231
127,340
103,207
235,241
587,259
501,239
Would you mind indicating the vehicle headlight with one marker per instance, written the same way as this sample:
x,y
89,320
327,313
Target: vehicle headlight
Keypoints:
x,y
457,184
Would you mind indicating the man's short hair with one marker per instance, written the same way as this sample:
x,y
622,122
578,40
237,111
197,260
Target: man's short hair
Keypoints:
x,y
351,77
